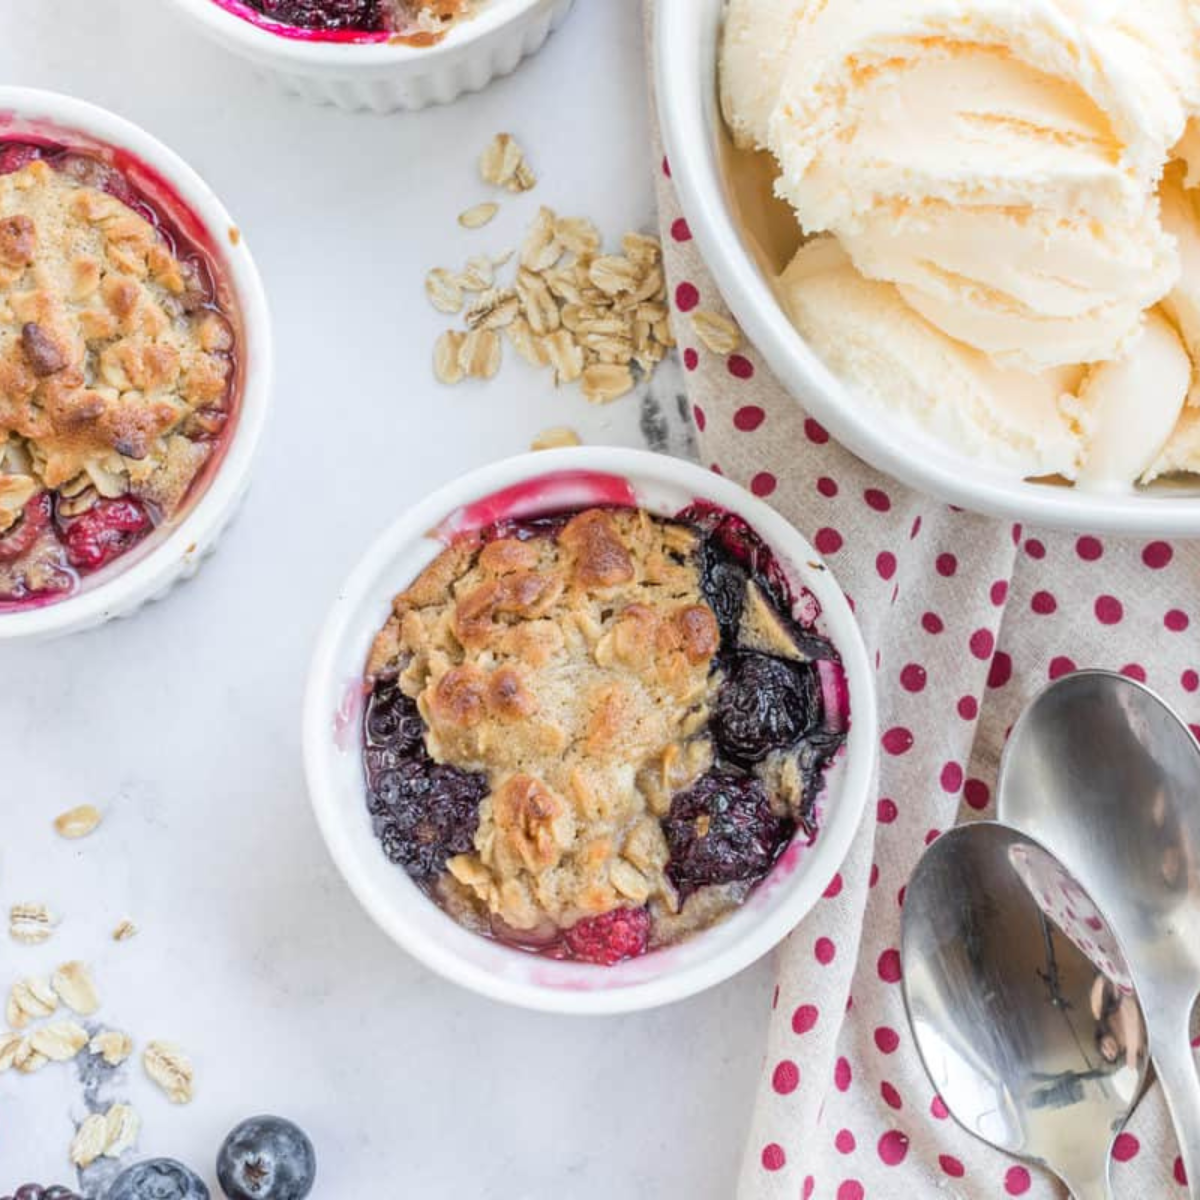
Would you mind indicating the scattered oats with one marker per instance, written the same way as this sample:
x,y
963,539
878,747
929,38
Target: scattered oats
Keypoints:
x,y
603,382
564,283
613,274
90,1140
503,164
564,355
479,355
718,333
114,1047
30,924
578,235
78,822
554,439
9,1043
29,1000
629,881
447,367
124,931
642,249
478,216
478,275
443,291
27,1059
73,983
526,343
541,248
171,1069
653,287
494,310
537,304
59,1041
122,1126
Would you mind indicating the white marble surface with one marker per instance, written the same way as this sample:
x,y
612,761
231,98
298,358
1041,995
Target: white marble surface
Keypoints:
x,y
183,723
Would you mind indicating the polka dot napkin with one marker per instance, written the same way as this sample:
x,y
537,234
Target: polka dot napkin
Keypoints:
x,y
966,618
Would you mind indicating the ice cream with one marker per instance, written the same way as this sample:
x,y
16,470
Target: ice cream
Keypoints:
x,y
997,164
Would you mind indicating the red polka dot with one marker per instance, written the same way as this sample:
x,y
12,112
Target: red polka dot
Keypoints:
x,y
879,500
809,1186
844,1141
982,643
951,1166
1176,620
1017,1181
691,359
775,998
1134,671
699,417
968,708
937,1109
1061,665
1125,1147
913,678
932,836
666,167
1109,610
1190,681
976,793
1089,549
932,623
916,528
834,888
716,469
763,484
773,1157
893,1148
686,297
824,950
748,418
1000,671
828,541
851,1189
947,565
786,1078
887,1039
815,432
680,230
873,879
804,1018
842,1075
1158,555
1043,603
889,966
886,811
1180,1172
998,592
898,740
885,564
1016,534
1035,549
951,778
740,367
891,1097
827,487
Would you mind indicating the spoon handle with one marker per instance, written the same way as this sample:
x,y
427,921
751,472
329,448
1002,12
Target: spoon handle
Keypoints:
x,y
1181,1086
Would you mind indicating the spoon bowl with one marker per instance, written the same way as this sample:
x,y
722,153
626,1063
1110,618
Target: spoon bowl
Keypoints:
x,y
1022,1007
1107,777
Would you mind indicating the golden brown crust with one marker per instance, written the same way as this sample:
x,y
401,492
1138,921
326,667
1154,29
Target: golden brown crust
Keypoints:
x,y
576,672
107,363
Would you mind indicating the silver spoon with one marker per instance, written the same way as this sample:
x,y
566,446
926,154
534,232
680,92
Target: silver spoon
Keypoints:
x,y
1022,1008
1105,775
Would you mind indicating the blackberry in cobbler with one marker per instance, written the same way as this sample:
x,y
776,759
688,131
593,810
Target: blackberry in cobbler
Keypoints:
x,y
594,733
117,364
421,22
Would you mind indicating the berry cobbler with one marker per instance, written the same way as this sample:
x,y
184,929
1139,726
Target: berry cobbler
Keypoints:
x,y
414,22
591,735
117,363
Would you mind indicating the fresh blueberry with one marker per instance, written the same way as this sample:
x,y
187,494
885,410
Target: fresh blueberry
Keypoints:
x,y
157,1179
267,1158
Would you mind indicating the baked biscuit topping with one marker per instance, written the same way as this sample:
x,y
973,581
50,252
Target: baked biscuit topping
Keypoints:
x,y
576,674
115,362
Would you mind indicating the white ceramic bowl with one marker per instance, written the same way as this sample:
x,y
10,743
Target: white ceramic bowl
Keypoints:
x,y
381,76
175,550
686,39
554,481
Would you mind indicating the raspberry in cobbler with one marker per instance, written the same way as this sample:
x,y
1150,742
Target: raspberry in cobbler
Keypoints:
x,y
116,369
594,734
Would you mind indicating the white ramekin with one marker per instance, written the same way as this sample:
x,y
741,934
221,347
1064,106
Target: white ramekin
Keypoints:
x,y
175,550
384,77
554,481
686,39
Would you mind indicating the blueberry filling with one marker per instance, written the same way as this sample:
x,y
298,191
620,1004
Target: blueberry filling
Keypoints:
x,y
328,15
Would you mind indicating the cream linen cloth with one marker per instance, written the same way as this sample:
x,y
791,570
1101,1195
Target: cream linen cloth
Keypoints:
x,y
966,619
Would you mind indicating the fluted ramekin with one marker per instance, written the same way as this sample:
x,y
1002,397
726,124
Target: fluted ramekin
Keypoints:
x,y
175,549
384,76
